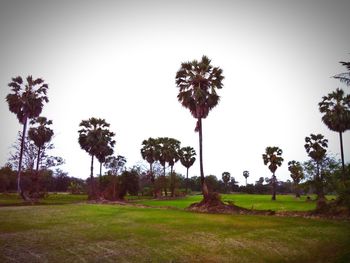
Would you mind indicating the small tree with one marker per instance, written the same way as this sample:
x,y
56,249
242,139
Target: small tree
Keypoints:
x,y
316,147
273,158
296,172
226,179
246,175
187,159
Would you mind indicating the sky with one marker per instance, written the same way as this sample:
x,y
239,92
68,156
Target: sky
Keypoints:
x,y
117,60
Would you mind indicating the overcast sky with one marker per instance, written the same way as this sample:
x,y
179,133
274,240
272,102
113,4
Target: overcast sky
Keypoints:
x,y
118,59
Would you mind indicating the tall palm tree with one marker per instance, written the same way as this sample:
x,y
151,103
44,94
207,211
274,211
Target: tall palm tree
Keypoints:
x,y
187,159
90,135
316,147
246,175
296,172
344,77
40,135
27,102
197,83
225,176
336,109
273,158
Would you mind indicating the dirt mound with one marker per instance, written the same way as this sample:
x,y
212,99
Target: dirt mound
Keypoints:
x,y
213,204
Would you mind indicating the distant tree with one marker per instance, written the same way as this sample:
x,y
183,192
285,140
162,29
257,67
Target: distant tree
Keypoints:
x,y
114,166
296,172
26,101
336,109
233,184
187,159
316,147
226,179
90,140
40,135
344,77
273,158
149,153
168,152
246,175
197,83
105,147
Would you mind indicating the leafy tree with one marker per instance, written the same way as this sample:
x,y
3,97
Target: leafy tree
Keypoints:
x,y
114,166
316,147
296,172
187,159
246,175
273,158
26,101
226,176
90,136
336,109
40,135
344,77
197,83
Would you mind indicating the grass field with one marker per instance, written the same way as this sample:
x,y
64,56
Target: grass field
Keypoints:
x,y
65,229
113,233
259,202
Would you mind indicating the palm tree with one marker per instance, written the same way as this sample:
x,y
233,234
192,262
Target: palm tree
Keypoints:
x,y
296,172
26,101
149,153
336,109
168,152
273,158
226,179
187,159
197,83
344,77
40,135
246,175
106,145
316,148
90,137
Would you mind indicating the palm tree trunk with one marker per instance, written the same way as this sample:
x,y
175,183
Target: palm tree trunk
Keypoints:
x,y
172,186
204,185
186,180
342,154
273,187
92,194
165,190
19,190
36,178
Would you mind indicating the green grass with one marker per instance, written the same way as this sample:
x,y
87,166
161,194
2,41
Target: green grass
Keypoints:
x,y
113,233
52,199
259,202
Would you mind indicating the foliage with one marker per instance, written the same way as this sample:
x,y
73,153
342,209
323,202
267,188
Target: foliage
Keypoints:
x,y
344,77
296,172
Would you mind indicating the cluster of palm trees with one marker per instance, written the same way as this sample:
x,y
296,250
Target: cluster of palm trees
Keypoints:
x,y
26,100
167,150
97,140
336,115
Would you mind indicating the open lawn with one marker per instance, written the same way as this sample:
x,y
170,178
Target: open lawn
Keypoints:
x,y
65,229
259,202
114,233
83,232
